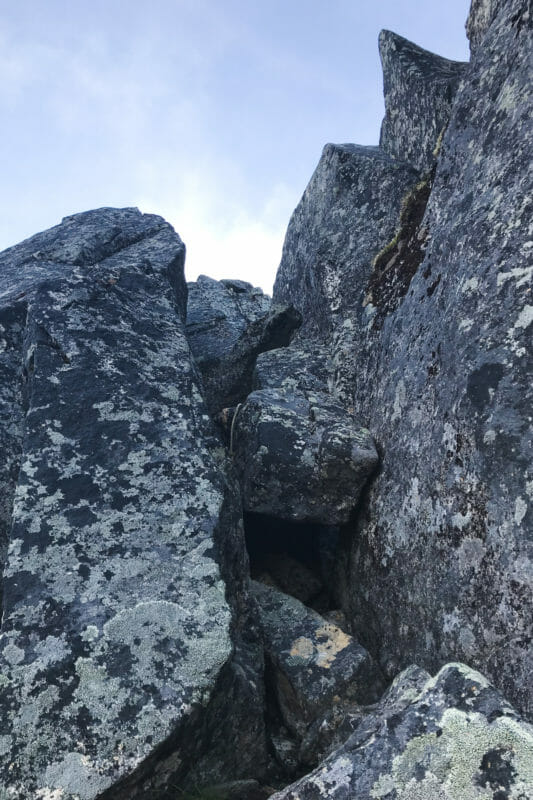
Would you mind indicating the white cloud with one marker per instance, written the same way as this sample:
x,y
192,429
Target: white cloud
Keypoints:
x,y
240,245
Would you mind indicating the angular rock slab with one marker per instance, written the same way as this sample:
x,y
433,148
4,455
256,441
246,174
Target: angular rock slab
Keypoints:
x,y
300,456
348,212
453,739
115,623
419,89
228,324
315,664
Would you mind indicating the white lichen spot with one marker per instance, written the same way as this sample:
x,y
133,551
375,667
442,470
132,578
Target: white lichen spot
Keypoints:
x,y
90,634
525,318
461,521
76,776
399,401
520,510
466,324
470,285
13,654
521,275
489,436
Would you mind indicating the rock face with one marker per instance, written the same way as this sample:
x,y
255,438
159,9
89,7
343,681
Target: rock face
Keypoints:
x,y
116,626
439,566
419,88
377,468
228,324
347,214
300,456
453,738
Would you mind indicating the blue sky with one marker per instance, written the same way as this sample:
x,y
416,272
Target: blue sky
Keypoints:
x,y
212,113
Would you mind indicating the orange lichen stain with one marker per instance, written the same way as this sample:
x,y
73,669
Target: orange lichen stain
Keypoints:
x,y
302,648
328,641
331,641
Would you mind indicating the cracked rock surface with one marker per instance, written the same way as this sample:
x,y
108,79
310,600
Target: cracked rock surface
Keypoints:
x,y
315,664
228,324
419,89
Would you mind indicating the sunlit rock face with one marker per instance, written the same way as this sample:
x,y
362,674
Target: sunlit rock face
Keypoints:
x,y
117,619
439,369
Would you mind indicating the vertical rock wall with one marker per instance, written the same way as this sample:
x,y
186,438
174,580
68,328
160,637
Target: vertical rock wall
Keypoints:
x,y
440,563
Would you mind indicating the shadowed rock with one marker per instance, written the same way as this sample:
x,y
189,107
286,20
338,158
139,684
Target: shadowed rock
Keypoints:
x,y
440,559
314,663
228,324
348,212
300,456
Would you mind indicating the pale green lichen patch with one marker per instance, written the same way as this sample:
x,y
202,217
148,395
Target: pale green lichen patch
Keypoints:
x,y
452,760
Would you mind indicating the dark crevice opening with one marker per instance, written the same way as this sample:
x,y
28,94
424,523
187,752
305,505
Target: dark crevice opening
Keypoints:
x,y
298,558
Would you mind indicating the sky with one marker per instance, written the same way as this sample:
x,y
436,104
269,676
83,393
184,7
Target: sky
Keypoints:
x,y
211,113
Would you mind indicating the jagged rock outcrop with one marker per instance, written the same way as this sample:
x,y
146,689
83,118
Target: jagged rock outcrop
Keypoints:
x,y
228,324
452,738
347,214
480,17
419,88
300,456
124,593
439,566
136,661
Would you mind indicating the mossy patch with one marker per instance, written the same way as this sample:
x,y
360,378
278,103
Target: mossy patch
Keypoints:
x,y
396,263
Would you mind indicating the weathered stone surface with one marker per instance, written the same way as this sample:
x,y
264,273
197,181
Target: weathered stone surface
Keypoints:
x,y
293,367
419,88
228,324
300,456
348,212
126,534
314,663
440,563
12,321
455,738
480,17
331,731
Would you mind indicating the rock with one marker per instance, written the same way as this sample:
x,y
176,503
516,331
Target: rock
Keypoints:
x,y
228,324
348,212
313,663
419,89
480,17
300,457
454,738
291,577
293,367
439,562
12,320
330,731
123,584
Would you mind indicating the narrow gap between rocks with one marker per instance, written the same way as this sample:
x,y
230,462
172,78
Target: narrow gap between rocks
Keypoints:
x,y
298,558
